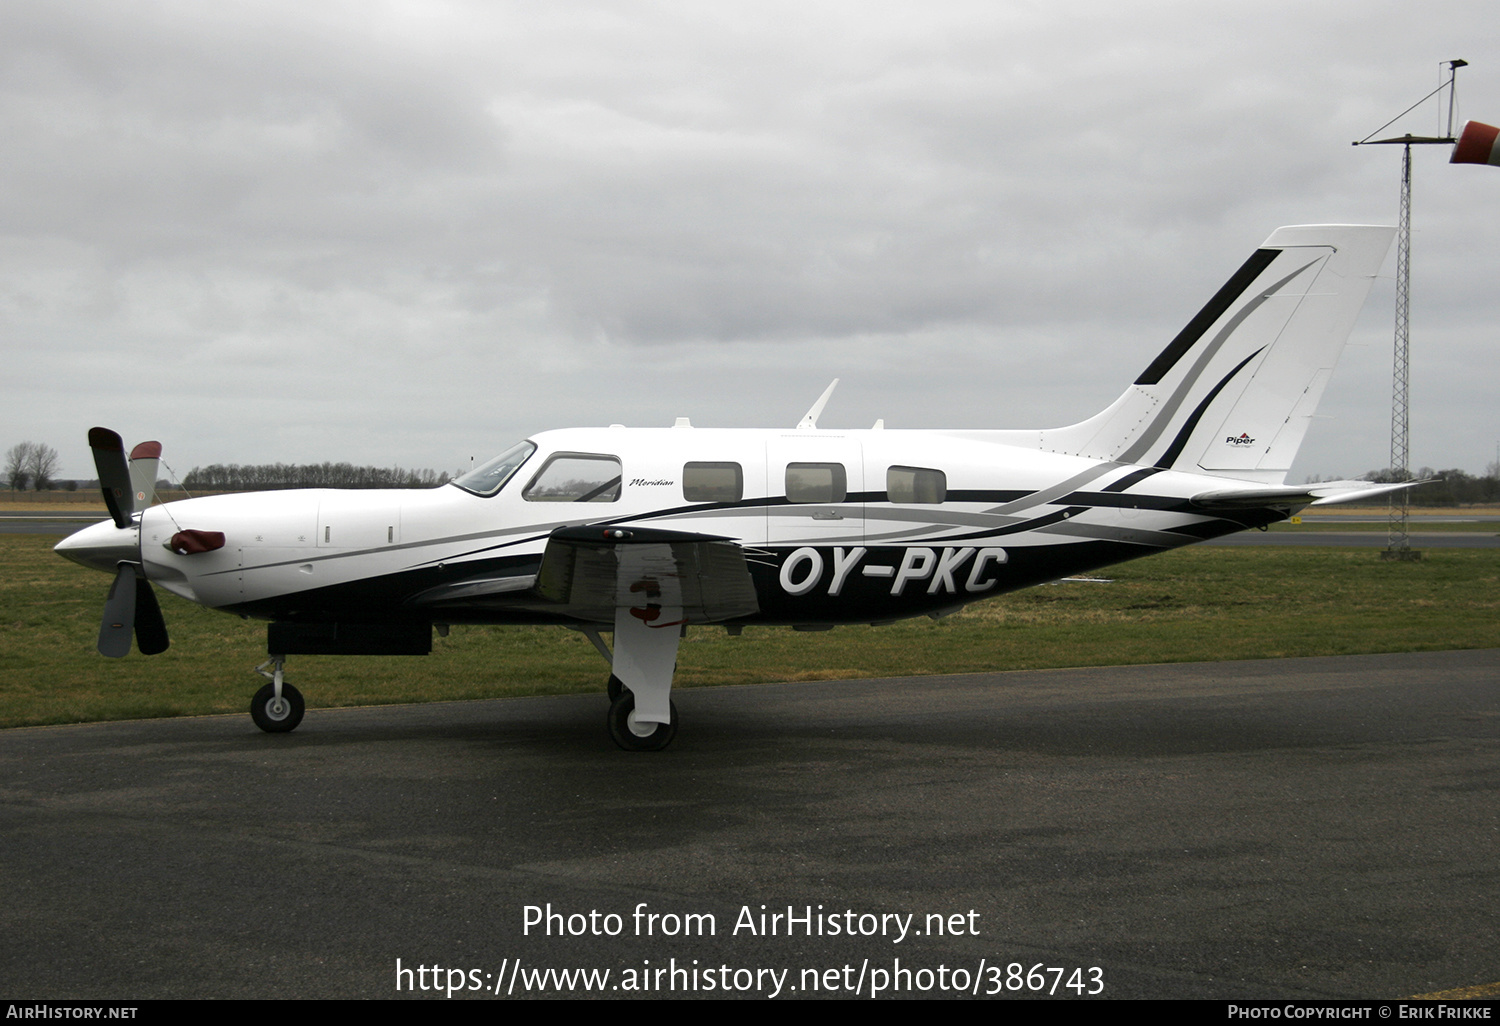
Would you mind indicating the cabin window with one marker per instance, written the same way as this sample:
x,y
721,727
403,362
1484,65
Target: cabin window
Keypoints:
x,y
576,477
713,482
915,484
816,482
490,477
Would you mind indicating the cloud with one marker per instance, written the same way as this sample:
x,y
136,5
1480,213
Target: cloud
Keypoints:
x,y
395,232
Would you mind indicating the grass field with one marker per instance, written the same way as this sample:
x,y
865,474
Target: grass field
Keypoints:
x,y
1189,605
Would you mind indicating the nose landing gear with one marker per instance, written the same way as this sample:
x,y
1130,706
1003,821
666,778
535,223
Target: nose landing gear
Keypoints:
x,y
278,707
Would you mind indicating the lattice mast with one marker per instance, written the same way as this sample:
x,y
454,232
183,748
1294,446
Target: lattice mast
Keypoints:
x,y
1398,538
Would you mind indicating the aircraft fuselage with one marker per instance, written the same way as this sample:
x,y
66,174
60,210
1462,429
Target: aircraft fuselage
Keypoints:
x,y
837,526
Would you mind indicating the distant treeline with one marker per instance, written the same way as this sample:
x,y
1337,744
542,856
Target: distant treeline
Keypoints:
x,y
269,476
1457,487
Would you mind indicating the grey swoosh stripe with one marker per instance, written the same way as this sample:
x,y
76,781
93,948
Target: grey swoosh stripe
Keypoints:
x,y
1170,407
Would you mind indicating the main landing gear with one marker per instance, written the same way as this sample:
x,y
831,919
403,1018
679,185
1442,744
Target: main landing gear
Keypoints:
x,y
278,707
642,716
625,728
634,734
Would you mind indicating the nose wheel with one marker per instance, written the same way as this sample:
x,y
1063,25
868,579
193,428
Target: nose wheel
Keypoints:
x,y
277,715
277,707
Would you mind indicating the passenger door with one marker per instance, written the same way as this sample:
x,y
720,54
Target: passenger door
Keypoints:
x,y
815,483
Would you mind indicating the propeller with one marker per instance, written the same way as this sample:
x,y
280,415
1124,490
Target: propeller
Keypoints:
x,y
129,487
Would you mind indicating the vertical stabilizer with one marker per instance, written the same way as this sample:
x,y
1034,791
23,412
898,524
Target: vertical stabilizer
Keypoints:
x,y
1234,392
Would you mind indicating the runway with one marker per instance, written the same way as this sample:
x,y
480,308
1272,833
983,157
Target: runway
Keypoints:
x,y
1362,539
1285,828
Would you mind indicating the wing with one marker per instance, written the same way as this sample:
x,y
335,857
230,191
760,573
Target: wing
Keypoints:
x,y
590,572
587,573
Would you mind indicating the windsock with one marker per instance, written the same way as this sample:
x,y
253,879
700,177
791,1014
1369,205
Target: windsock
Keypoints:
x,y
1477,144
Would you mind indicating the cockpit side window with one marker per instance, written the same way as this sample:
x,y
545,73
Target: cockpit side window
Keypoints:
x,y
489,478
576,477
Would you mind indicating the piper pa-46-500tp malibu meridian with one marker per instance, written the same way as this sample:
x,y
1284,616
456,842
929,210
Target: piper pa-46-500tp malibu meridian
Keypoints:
x,y
644,531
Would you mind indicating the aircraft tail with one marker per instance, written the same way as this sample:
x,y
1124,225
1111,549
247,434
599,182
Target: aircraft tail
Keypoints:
x,y
1234,392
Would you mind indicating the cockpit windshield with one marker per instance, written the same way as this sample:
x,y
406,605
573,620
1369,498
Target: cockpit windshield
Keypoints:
x,y
490,477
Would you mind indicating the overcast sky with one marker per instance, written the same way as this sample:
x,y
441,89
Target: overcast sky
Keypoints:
x,y
411,233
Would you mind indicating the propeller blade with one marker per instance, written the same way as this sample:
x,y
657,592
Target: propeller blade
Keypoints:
x,y
132,608
144,460
129,487
114,474
119,613
150,626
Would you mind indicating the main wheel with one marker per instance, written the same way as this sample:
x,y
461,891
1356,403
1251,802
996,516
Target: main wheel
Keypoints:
x,y
635,736
277,717
616,688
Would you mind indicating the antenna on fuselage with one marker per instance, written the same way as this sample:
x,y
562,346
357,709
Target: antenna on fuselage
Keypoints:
x,y
810,421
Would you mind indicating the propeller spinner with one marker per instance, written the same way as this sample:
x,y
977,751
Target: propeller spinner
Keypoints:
x,y
129,487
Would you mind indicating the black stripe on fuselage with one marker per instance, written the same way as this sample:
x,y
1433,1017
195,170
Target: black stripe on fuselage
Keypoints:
x,y
1135,477
1229,522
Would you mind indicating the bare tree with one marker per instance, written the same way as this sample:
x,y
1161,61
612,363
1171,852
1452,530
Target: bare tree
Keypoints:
x,y
42,464
17,466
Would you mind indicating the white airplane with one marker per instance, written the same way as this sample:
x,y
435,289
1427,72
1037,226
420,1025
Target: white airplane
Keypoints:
x,y
644,531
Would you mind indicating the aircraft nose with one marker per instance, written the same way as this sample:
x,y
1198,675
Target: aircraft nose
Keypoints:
x,y
102,546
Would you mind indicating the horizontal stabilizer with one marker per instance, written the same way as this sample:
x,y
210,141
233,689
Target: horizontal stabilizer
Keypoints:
x,y
1324,493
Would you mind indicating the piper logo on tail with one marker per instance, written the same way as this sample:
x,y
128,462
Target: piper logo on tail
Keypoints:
x,y
1242,439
